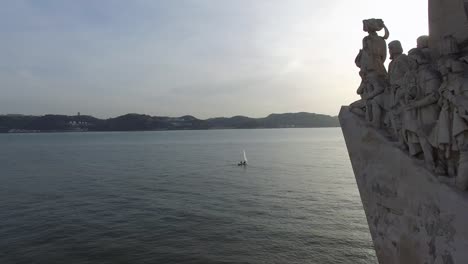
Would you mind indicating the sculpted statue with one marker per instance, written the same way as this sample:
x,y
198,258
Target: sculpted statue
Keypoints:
x,y
374,48
422,100
422,43
425,103
407,94
371,60
453,118
397,69
359,107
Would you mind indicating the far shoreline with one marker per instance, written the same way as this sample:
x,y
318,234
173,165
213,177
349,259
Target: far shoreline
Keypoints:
x,y
157,130
141,122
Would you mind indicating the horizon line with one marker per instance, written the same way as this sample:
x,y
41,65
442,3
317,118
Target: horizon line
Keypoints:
x,y
130,113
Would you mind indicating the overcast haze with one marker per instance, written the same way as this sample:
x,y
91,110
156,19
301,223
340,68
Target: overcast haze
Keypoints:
x,y
207,57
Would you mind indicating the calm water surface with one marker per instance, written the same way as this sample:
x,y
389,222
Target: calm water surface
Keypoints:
x,y
178,197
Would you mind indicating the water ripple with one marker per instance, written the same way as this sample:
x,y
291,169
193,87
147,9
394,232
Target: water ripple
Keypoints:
x,y
178,197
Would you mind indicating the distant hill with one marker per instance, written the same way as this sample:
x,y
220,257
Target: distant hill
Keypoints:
x,y
300,120
139,122
276,121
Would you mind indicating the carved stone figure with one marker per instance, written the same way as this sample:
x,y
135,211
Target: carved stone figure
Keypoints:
x,y
397,69
426,96
422,100
371,60
422,43
453,120
374,48
359,107
415,215
407,94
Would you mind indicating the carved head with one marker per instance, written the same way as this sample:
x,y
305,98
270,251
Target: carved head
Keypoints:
x,y
442,68
418,56
395,48
449,65
458,66
422,42
448,46
372,25
413,64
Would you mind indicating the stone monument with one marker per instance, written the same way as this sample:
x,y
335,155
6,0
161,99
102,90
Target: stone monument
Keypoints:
x,y
407,139
449,17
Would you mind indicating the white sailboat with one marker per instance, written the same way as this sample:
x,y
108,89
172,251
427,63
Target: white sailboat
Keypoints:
x,y
243,161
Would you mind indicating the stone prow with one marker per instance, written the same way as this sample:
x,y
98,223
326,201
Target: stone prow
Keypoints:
x,y
414,216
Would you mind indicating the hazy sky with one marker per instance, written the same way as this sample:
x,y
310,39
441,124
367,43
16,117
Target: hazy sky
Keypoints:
x,y
202,57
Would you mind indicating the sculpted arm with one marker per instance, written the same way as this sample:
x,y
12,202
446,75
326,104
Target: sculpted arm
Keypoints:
x,y
378,90
461,102
387,33
427,100
430,98
402,80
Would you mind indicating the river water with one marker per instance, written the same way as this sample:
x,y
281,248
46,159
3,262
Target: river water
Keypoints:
x,y
178,197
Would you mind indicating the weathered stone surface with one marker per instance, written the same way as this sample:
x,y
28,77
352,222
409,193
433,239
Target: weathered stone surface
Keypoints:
x,y
414,216
448,17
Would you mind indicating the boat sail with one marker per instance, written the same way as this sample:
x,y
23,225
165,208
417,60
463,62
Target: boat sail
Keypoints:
x,y
243,161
